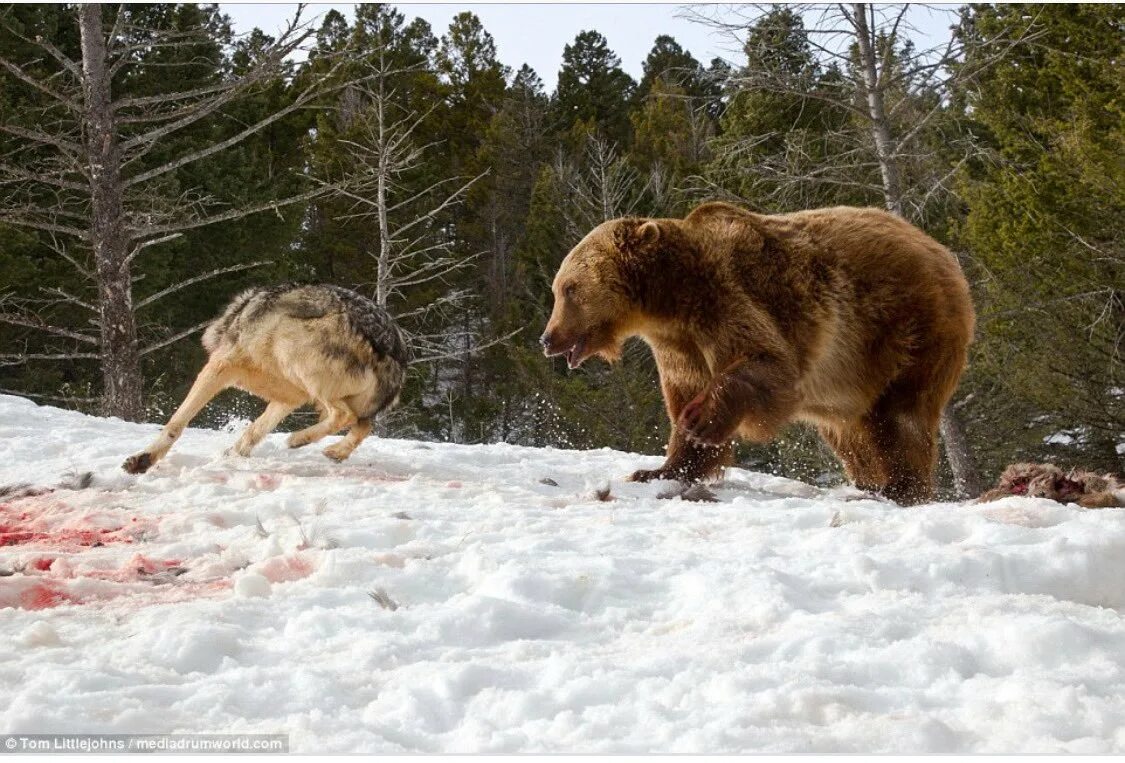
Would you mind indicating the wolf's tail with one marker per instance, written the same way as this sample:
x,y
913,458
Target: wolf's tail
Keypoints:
x,y
391,376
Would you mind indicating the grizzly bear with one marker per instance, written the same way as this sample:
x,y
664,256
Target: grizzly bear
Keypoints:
x,y
850,319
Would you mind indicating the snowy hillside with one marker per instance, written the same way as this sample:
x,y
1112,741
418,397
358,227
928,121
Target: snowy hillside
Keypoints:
x,y
223,594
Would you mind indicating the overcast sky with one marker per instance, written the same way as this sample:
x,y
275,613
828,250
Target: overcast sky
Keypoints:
x,y
536,34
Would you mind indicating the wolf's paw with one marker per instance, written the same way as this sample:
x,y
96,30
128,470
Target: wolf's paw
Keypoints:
x,y
338,452
296,440
138,464
239,449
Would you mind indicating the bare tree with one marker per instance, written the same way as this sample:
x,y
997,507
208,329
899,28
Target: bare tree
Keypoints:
x,y
82,173
893,97
413,247
601,185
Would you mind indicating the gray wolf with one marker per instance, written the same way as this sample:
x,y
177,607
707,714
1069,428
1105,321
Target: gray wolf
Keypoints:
x,y
291,345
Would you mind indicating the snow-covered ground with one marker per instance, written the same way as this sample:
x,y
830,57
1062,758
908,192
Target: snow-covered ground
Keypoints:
x,y
218,594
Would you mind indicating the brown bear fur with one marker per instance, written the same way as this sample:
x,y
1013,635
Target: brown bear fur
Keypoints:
x,y
850,319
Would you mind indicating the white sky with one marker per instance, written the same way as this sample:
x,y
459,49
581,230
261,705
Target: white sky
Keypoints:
x,y
536,33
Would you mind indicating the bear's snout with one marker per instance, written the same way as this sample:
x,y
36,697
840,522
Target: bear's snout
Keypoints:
x,y
554,343
555,337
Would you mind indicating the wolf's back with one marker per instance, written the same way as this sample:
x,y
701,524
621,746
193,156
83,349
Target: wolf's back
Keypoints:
x,y
343,329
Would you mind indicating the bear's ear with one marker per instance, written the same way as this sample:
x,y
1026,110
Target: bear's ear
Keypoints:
x,y
638,235
648,233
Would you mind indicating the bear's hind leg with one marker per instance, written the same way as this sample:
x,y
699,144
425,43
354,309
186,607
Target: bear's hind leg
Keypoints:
x,y
855,444
908,443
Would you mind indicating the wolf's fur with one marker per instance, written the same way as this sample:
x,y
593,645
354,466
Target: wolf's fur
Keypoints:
x,y
1094,491
292,345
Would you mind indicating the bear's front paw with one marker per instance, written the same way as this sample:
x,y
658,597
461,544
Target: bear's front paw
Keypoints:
x,y
676,474
704,424
648,475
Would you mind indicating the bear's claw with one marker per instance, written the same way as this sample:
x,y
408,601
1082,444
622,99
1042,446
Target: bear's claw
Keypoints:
x,y
663,473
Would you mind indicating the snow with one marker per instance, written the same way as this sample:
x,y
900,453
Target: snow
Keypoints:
x,y
441,598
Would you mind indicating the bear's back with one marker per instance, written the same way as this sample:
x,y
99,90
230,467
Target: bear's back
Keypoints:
x,y
867,238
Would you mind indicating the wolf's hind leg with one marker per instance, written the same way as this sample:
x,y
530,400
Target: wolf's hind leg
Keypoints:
x,y
336,416
357,434
262,426
1104,500
213,379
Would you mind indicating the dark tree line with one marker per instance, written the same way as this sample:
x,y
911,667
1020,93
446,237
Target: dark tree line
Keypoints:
x,y
152,163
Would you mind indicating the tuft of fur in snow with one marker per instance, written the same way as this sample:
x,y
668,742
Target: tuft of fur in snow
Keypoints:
x,y
383,599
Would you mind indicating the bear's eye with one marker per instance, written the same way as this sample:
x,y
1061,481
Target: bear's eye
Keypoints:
x,y
569,291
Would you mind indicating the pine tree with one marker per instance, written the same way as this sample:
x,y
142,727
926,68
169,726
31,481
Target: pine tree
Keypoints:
x,y
594,89
668,62
1045,206
780,136
673,117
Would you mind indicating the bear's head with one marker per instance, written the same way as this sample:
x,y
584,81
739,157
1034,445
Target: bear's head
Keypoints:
x,y
595,291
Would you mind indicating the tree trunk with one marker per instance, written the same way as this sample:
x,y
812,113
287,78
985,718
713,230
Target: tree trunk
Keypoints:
x,y
966,477
383,267
120,355
880,129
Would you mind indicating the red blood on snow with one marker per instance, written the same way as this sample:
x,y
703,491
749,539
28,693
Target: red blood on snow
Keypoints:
x,y
282,569
15,536
43,596
46,521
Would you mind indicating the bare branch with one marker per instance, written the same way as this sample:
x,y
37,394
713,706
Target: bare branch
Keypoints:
x,y
461,353
449,201
39,324
175,337
67,297
202,277
162,98
310,93
117,28
26,222
70,148
65,61
18,174
18,359
263,70
234,214
61,250
27,79
150,242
